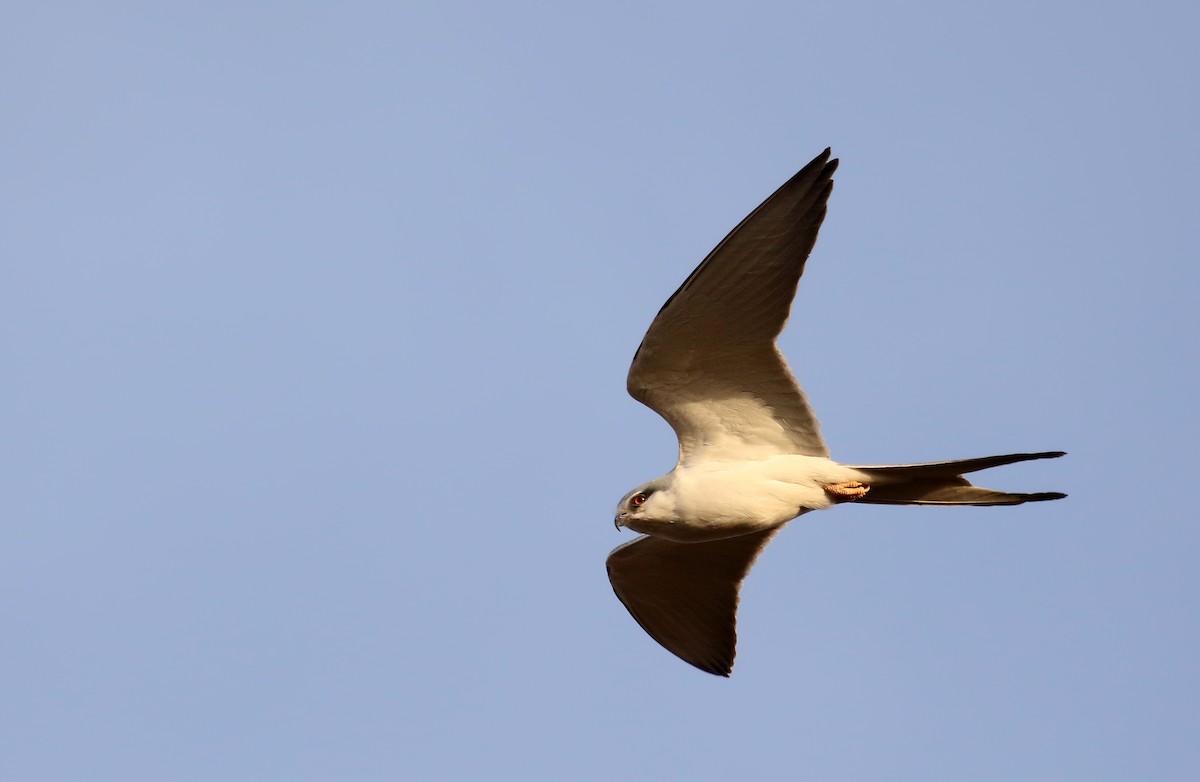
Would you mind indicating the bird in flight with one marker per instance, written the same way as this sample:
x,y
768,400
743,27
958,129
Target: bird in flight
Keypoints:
x,y
751,455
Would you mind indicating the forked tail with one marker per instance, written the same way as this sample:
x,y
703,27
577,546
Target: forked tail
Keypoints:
x,y
942,483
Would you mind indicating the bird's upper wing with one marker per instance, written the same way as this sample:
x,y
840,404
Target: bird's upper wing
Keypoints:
x,y
708,364
685,595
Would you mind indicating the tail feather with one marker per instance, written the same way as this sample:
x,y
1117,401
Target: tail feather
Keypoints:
x,y
942,483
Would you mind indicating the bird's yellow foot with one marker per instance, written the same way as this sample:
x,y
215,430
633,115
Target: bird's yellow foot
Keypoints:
x,y
846,492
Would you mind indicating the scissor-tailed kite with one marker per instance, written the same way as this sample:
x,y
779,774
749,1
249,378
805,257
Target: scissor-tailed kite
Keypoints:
x,y
751,455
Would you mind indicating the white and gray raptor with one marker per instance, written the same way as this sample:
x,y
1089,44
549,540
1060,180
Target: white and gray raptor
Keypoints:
x,y
751,455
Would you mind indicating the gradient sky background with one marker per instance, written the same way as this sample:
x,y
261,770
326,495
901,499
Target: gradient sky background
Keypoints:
x,y
316,319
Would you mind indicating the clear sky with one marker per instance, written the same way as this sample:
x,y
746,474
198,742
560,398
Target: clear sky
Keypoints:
x,y
315,325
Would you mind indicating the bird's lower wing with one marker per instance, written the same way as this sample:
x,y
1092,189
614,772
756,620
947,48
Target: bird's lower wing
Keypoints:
x,y
685,595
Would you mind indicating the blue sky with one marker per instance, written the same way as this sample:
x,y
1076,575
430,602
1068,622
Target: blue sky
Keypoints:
x,y
315,325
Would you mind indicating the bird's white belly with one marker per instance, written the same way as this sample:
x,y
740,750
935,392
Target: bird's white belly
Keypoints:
x,y
723,499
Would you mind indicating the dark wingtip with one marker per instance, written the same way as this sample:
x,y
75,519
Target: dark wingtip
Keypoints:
x,y
822,160
716,667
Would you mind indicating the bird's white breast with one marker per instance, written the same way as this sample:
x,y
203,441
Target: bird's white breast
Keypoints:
x,y
721,499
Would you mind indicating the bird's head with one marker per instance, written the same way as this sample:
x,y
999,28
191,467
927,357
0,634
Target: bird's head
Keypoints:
x,y
645,508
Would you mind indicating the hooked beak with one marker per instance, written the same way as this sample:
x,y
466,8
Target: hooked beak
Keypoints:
x,y
619,521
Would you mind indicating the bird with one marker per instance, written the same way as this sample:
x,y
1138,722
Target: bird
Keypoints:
x,y
751,454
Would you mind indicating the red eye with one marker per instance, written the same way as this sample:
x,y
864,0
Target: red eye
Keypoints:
x,y
638,499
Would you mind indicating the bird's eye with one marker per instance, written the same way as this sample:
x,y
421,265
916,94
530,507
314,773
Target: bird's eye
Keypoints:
x,y
638,499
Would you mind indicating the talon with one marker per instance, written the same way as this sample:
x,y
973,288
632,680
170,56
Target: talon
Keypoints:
x,y
846,492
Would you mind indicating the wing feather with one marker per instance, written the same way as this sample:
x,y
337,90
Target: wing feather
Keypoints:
x,y
685,595
708,363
